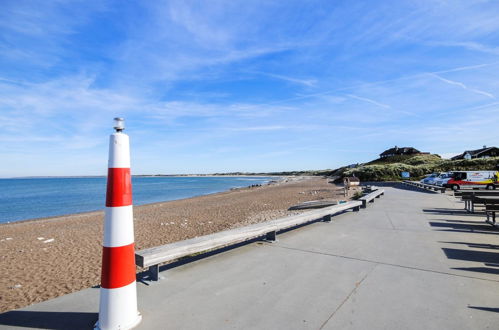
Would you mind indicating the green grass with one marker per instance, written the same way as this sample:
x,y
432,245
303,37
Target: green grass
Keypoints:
x,y
419,165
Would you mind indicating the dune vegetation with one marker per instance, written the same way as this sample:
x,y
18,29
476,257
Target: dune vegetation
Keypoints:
x,y
390,168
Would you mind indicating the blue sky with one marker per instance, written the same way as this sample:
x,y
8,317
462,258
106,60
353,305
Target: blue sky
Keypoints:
x,y
219,86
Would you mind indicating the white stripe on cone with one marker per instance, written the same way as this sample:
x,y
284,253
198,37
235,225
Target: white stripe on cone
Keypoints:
x,y
119,151
118,226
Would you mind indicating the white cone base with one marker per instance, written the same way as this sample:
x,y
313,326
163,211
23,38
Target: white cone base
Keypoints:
x,y
118,308
137,321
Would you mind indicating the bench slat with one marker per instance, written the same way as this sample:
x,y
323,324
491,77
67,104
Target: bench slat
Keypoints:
x,y
369,197
159,254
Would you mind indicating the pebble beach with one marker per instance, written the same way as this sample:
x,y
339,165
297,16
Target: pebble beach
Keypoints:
x,y
46,258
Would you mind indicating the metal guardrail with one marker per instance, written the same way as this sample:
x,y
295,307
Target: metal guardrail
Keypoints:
x,y
430,187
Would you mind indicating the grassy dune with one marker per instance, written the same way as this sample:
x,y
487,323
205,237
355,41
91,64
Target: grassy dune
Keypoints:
x,y
389,169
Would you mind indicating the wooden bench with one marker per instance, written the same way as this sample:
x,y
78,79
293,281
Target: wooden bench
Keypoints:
x,y
473,197
460,193
490,211
371,196
491,207
152,257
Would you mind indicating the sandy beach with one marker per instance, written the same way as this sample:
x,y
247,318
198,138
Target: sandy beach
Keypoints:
x,y
46,258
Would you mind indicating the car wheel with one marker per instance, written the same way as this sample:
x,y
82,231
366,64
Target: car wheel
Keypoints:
x,y
491,187
455,187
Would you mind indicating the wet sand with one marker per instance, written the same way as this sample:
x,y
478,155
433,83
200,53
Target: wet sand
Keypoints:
x,y
46,258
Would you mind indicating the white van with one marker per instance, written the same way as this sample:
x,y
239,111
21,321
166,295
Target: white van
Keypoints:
x,y
473,179
443,178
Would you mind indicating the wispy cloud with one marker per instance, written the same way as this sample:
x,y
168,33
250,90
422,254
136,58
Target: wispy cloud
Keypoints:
x,y
365,99
470,45
463,86
259,128
306,82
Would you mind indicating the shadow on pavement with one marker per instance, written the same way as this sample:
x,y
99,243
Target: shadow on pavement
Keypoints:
x,y
445,211
49,320
464,227
487,309
475,245
485,270
460,221
490,259
472,255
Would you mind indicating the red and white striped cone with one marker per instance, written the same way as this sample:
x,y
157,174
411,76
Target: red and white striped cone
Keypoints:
x,y
118,293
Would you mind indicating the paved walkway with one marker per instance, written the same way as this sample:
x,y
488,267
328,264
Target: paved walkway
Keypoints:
x,y
412,260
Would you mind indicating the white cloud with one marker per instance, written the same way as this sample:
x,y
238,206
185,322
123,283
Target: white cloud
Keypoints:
x,y
463,86
306,82
365,99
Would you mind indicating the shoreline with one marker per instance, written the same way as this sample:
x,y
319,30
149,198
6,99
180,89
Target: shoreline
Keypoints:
x,y
278,180
50,257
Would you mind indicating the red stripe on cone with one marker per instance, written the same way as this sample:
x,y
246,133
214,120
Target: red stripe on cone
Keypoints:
x,y
119,187
118,266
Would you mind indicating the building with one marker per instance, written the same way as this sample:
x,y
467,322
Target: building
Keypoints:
x,y
484,152
396,151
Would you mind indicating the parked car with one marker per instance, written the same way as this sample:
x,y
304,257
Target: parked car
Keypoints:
x,y
443,178
473,179
430,179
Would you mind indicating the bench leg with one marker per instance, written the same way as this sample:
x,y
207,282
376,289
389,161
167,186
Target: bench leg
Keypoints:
x,y
493,216
364,204
271,236
356,209
154,272
371,201
327,218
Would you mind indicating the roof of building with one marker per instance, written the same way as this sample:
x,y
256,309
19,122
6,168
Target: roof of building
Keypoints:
x,y
474,153
397,150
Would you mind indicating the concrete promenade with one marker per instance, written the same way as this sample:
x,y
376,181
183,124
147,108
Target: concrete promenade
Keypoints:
x,y
412,260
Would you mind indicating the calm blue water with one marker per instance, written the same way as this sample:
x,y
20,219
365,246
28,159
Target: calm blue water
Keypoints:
x,y
30,198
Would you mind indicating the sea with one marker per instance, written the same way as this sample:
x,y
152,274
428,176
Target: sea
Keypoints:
x,y
30,198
